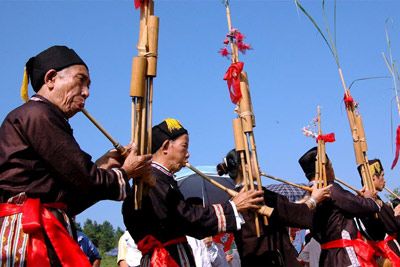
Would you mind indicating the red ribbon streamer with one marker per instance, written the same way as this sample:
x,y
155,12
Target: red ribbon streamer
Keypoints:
x,y
160,256
348,100
396,157
327,138
232,77
36,219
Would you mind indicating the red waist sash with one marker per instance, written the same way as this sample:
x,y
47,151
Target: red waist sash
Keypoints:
x,y
363,250
382,248
160,256
36,219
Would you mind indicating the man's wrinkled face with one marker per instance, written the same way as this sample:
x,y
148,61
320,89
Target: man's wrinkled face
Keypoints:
x,y
379,181
71,88
178,153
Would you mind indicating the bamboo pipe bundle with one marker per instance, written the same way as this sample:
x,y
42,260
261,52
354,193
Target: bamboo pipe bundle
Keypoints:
x,y
246,118
320,164
263,210
358,135
144,69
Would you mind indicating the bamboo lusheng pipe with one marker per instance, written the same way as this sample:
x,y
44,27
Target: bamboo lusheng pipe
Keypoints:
x,y
359,139
303,187
358,191
354,118
144,69
320,164
391,192
239,147
263,210
117,145
247,122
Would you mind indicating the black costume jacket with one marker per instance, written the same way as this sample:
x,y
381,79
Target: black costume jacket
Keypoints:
x,y
40,158
166,216
333,220
273,247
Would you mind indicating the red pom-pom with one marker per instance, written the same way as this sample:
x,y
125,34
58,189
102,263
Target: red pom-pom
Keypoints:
x,y
224,52
239,36
243,47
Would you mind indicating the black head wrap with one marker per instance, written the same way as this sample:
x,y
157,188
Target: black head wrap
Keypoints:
x,y
230,165
307,162
169,129
56,57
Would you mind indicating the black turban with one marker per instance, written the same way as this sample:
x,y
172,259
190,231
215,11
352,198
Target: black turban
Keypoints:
x,y
56,57
169,129
307,162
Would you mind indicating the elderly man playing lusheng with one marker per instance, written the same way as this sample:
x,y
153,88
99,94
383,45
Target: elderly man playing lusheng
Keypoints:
x,y
45,177
161,226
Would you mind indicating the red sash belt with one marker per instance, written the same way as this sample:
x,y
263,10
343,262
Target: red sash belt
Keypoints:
x,y
160,256
363,250
383,249
36,219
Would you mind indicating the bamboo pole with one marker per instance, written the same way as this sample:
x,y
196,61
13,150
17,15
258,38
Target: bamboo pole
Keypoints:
x,y
263,210
391,192
117,145
305,188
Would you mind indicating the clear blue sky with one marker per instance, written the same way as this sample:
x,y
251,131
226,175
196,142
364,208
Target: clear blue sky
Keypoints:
x,y
290,71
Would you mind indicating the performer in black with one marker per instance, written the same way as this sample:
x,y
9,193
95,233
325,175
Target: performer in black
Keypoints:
x,y
160,226
273,247
45,177
381,230
333,224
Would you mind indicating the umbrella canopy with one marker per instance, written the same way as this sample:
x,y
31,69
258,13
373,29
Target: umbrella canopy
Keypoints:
x,y
291,192
192,185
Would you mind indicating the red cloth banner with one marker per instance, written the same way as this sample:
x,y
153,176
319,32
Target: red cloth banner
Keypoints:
x,y
348,100
327,138
232,77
